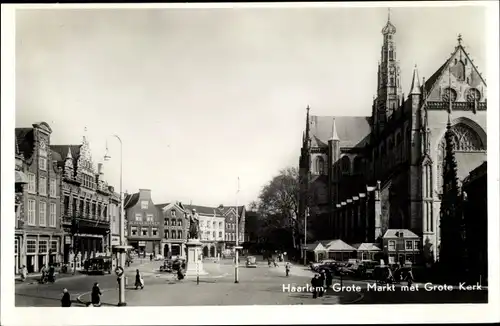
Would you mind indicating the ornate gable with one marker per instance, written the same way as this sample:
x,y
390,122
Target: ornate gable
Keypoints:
x,y
459,79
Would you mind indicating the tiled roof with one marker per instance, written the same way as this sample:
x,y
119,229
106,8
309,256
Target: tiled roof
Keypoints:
x,y
352,131
161,206
204,210
315,245
25,141
131,200
391,233
366,246
433,79
339,245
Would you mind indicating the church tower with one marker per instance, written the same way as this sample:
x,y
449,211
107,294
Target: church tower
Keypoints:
x,y
389,79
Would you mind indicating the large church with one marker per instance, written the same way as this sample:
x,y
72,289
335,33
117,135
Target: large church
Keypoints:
x,y
363,175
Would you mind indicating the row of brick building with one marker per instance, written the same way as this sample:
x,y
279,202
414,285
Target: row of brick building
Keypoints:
x,y
66,212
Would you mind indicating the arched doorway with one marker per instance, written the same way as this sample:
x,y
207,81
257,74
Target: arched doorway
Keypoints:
x,y
212,251
205,251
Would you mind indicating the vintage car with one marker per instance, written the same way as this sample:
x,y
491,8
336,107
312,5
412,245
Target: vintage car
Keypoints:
x,y
251,262
98,265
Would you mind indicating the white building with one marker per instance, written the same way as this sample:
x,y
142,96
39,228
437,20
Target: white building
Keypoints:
x,y
212,228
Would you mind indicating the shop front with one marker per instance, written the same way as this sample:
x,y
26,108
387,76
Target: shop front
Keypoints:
x,y
40,250
88,240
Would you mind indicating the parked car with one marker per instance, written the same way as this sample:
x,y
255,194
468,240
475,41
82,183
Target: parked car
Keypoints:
x,y
365,269
251,262
98,265
314,266
345,270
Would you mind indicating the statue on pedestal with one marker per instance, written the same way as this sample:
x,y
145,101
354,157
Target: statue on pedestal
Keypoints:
x,y
194,226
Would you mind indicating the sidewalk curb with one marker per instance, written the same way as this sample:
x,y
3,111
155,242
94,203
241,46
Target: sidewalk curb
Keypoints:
x,y
78,298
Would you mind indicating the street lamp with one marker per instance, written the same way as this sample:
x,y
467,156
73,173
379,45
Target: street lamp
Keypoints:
x,y
236,247
305,235
122,248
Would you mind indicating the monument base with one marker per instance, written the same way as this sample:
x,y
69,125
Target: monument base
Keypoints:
x,y
194,265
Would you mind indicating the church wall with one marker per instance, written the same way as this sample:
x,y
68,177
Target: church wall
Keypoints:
x,y
385,207
437,125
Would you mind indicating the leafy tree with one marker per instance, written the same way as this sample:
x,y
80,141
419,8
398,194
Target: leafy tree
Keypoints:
x,y
278,206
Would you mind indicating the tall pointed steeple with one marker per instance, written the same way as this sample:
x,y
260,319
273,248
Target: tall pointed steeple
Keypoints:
x,y
308,123
334,135
415,83
389,76
450,105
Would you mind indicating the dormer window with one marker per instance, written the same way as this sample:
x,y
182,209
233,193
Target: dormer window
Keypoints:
x,y
172,213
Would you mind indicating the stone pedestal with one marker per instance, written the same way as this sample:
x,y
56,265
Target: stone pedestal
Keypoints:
x,y
194,264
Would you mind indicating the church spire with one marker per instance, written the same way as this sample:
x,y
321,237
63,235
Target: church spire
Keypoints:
x,y
307,125
415,83
334,135
389,76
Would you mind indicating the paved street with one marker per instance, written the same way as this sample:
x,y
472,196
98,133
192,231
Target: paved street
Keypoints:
x,y
258,286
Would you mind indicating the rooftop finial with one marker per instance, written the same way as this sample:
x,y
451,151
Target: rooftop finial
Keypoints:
x,y
389,14
459,39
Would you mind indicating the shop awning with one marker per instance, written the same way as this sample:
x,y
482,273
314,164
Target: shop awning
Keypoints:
x,y
21,177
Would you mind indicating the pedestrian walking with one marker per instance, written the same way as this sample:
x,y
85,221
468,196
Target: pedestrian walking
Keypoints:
x,y
51,274
139,281
322,279
150,257
287,269
180,274
96,295
269,262
24,273
275,263
43,274
66,299
329,279
409,277
315,283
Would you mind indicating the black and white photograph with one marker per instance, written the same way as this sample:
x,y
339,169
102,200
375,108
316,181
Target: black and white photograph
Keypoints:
x,y
240,156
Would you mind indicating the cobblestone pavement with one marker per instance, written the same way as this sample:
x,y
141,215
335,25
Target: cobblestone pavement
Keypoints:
x,y
257,286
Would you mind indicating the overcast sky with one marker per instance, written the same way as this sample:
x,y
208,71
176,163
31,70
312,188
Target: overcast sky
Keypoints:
x,y
202,96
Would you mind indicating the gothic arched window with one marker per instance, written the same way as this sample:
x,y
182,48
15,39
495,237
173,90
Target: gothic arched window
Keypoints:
x,y
320,165
464,139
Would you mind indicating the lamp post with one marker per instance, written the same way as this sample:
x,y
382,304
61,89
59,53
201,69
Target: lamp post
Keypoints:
x,y
305,236
236,248
122,247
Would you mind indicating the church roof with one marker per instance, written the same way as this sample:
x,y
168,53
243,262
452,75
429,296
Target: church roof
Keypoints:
x,y
352,131
429,84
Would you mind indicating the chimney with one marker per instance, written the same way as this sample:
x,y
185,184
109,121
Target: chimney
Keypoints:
x,y
145,193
